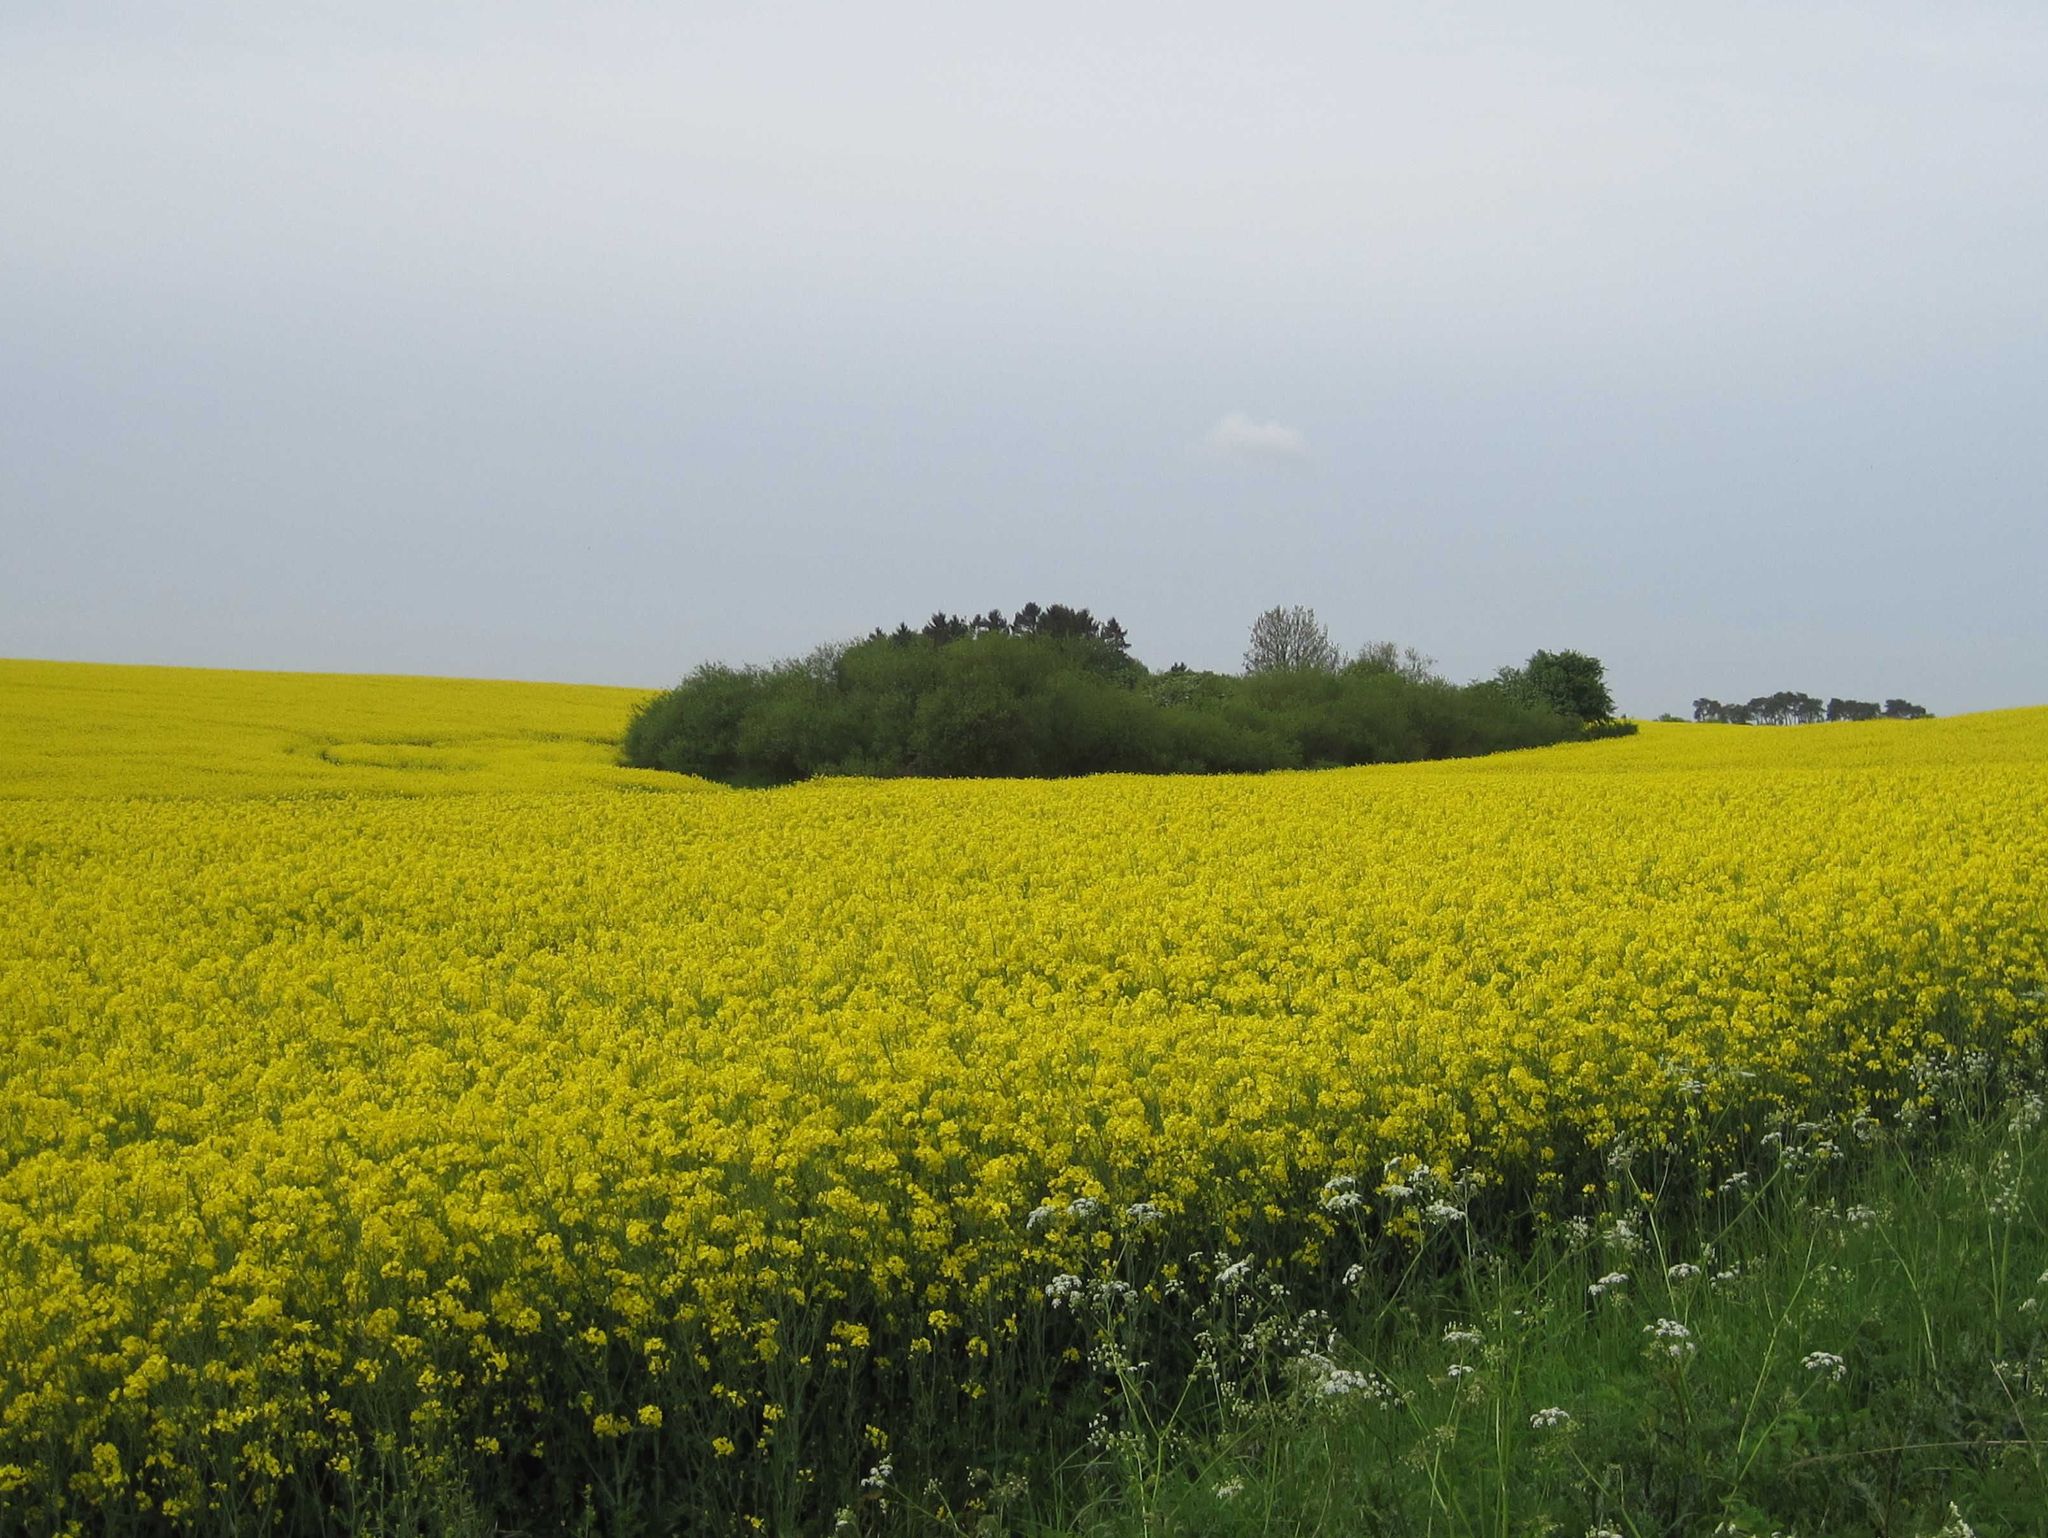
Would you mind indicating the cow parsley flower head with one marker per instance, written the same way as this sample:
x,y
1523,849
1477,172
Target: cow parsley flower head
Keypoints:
x,y
1827,1364
1234,1274
1551,1419
1329,1383
1671,1338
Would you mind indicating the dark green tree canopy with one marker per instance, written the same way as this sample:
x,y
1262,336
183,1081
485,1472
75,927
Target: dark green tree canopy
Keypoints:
x,y
1568,682
1572,684
1052,690
1792,707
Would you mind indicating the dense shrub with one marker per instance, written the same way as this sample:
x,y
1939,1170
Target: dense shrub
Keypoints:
x,y
1000,704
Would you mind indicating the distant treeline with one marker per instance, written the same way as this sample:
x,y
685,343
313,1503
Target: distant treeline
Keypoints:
x,y
1788,707
1053,691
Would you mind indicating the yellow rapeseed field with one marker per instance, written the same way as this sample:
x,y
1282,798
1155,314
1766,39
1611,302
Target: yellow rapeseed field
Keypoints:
x,y
389,1077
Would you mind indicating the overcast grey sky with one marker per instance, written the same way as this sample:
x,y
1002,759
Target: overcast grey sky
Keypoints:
x,y
591,342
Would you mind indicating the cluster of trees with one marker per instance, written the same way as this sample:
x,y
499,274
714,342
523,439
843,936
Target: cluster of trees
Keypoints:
x,y
1789,707
1053,691
1054,622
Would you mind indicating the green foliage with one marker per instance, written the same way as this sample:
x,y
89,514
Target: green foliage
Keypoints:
x,y
1568,682
1849,1334
1791,707
1055,692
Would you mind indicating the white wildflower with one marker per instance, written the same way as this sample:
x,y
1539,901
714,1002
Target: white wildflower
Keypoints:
x,y
1671,1338
2003,1198
1607,1284
1063,1288
1459,1370
1327,1381
1684,1271
879,1476
1551,1419
1112,1292
1832,1367
1454,1336
1234,1273
1142,1213
1229,1490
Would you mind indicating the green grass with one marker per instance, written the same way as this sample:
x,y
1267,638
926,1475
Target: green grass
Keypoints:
x,y
1848,1338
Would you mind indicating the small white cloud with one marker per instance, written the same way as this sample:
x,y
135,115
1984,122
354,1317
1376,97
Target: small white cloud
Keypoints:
x,y
1237,436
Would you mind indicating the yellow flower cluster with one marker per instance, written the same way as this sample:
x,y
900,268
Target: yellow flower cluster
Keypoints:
x,y
368,1053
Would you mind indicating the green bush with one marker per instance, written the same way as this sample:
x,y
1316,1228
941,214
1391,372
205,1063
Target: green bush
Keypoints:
x,y
997,703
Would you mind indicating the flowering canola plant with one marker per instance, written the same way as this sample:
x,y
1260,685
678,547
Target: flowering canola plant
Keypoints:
x,y
391,1078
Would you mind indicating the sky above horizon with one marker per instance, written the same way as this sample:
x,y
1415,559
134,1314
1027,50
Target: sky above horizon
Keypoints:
x,y
591,343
